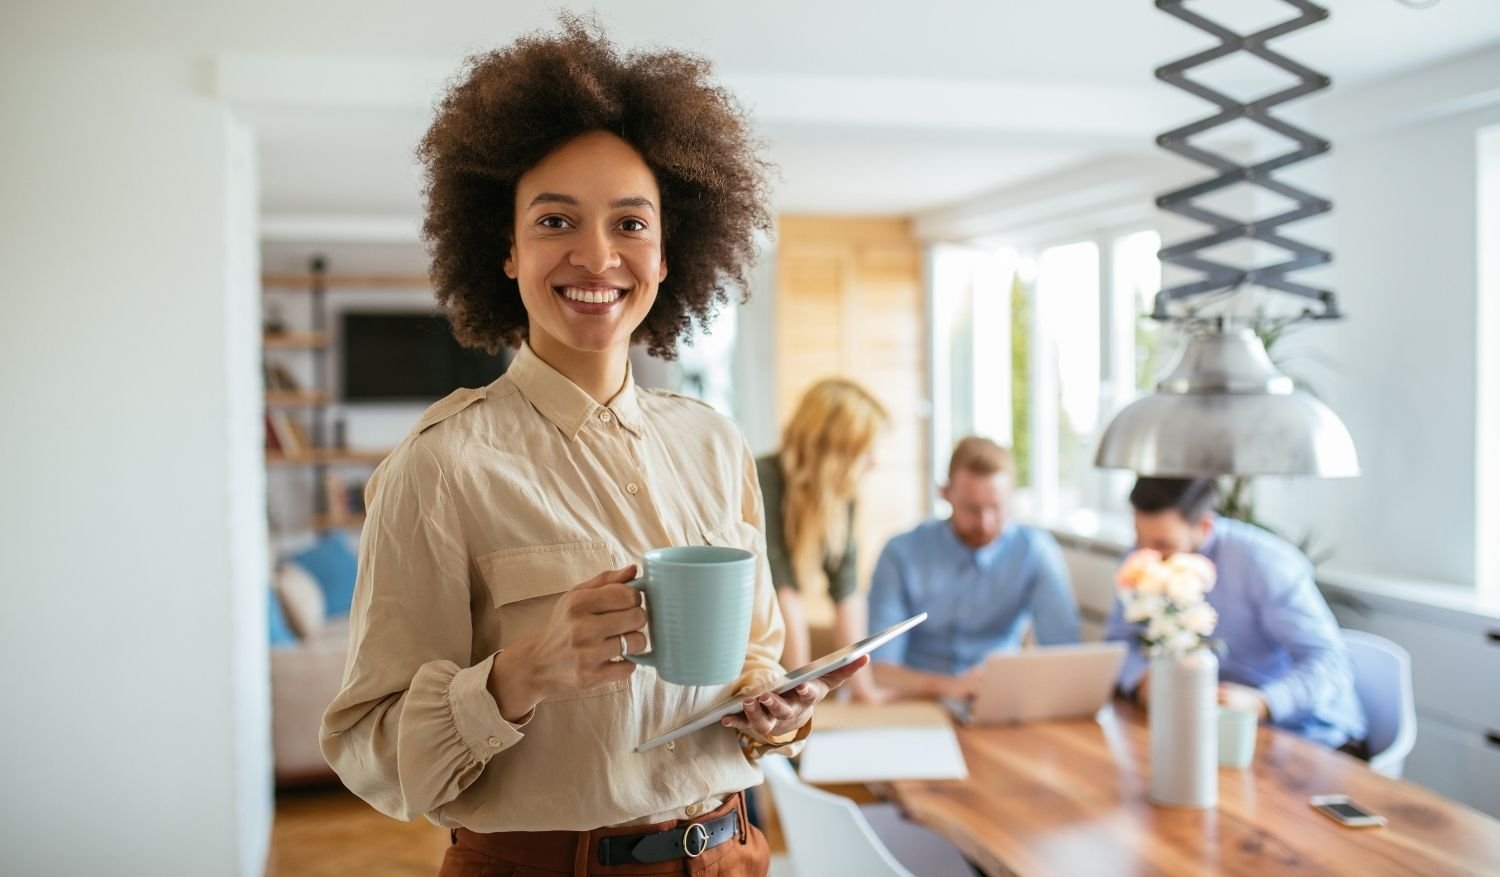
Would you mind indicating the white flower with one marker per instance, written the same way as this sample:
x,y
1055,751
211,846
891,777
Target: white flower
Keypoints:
x,y
1200,619
1161,627
1153,581
1144,608
1184,588
1181,642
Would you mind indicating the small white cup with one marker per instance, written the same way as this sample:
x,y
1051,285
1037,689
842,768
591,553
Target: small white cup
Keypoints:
x,y
1237,732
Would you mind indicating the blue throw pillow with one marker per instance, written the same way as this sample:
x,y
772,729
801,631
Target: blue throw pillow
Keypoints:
x,y
281,632
333,564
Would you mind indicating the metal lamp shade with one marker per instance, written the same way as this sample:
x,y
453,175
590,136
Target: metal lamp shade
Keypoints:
x,y
1226,410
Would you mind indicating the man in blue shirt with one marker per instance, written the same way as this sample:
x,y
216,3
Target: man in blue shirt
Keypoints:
x,y
979,578
1283,651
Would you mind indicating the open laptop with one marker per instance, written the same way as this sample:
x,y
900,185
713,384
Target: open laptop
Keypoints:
x,y
1047,682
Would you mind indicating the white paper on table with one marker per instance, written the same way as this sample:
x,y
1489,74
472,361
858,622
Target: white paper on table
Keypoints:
x,y
866,755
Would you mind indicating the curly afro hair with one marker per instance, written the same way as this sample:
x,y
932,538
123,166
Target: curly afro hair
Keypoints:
x,y
509,108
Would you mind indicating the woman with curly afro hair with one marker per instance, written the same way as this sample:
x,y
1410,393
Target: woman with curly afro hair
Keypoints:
x,y
485,685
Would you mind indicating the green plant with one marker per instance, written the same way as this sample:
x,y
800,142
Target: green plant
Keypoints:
x,y
1020,379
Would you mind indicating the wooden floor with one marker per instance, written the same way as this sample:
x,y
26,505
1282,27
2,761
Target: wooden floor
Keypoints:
x,y
327,832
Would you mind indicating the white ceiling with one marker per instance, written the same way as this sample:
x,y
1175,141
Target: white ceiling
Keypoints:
x,y
868,107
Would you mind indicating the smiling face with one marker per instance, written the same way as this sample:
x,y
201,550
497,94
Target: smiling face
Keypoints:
x,y
587,253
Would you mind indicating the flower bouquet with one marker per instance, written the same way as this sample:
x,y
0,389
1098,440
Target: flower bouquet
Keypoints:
x,y
1168,596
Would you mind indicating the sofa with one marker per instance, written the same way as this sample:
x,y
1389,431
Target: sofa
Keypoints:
x,y
304,680
309,644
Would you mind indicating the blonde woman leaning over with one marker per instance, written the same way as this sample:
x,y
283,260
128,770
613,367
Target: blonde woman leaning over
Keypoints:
x,y
809,487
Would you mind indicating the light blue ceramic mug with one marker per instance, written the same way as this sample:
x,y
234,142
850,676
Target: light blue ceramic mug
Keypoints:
x,y
1237,731
698,601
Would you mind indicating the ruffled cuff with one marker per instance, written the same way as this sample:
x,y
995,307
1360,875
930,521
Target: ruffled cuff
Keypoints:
x,y
789,745
477,717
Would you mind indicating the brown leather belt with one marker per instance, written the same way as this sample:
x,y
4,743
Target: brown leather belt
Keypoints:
x,y
583,851
688,842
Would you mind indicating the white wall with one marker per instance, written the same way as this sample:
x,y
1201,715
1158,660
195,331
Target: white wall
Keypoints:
x,y
1487,479
1401,370
135,703
249,564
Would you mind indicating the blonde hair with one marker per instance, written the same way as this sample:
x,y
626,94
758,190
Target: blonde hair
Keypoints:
x,y
834,425
978,455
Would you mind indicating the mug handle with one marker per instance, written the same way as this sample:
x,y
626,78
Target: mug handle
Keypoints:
x,y
646,658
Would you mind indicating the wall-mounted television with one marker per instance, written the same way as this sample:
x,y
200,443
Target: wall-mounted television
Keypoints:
x,y
408,357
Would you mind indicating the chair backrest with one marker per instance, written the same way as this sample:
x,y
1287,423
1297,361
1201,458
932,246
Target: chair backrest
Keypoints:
x,y
1382,679
825,834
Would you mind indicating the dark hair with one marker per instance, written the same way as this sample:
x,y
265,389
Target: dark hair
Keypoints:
x,y
514,106
1191,497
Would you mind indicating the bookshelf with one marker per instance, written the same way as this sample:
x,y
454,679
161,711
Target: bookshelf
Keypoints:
x,y
296,398
294,340
303,446
320,279
326,457
323,522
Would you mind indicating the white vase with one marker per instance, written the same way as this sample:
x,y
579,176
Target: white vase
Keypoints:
x,y
1184,729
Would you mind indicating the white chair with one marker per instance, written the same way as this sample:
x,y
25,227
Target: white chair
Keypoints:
x,y
1382,680
826,834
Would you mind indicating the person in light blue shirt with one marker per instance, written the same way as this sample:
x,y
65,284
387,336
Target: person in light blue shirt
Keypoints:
x,y
979,577
1282,647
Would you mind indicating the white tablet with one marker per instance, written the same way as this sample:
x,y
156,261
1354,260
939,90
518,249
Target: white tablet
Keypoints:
x,y
824,665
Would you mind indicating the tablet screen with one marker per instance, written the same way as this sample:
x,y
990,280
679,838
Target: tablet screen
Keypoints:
x,y
833,660
826,664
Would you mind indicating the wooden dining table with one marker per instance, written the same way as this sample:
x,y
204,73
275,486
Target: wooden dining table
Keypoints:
x,y
1053,799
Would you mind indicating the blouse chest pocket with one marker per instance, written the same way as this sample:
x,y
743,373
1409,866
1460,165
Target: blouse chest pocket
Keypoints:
x,y
739,534
526,583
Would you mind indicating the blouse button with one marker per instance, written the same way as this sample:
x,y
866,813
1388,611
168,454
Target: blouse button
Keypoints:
x,y
606,416
632,488
692,810
671,745
495,741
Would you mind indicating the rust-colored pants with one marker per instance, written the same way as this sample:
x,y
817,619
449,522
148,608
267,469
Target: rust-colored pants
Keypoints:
x,y
576,853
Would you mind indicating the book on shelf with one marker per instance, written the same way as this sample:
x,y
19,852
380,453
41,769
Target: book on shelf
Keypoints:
x,y
356,498
289,436
303,442
335,497
273,443
277,377
343,501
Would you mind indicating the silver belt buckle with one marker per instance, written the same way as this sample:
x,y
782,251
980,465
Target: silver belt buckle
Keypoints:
x,y
701,837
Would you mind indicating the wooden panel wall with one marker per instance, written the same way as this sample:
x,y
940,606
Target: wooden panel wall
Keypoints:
x,y
849,303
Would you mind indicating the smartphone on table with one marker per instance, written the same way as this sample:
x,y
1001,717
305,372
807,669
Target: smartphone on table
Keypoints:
x,y
1345,812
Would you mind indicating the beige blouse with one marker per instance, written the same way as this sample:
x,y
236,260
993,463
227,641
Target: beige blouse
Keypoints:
x,y
499,500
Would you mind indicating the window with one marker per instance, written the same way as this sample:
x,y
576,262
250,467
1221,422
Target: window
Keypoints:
x,y
1139,346
1038,349
971,348
1065,376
